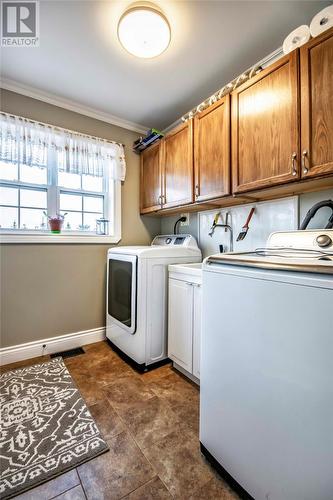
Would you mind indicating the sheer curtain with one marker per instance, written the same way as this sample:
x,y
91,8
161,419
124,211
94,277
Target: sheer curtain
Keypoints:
x,y
29,142
23,141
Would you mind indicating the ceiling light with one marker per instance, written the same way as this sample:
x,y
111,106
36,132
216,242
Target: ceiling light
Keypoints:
x,y
144,31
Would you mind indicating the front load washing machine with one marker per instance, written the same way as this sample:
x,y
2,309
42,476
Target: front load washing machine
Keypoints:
x,y
136,301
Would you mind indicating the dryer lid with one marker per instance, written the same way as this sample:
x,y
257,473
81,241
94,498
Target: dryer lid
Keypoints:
x,y
156,251
175,245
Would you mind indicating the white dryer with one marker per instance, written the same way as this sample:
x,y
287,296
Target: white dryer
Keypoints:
x,y
136,300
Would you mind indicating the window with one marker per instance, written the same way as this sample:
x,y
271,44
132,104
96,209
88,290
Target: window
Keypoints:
x,y
48,172
26,198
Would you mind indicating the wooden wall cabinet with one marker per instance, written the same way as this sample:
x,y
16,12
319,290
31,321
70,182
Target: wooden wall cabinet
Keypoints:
x,y
177,166
212,151
167,171
281,132
150,179
316,58
265,135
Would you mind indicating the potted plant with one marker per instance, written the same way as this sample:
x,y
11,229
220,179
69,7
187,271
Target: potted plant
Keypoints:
x,y
55,222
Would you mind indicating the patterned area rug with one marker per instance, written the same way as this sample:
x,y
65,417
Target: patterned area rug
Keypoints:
x,y
45,427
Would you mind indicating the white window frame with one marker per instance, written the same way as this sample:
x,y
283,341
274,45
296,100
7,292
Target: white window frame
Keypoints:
x,y
112,211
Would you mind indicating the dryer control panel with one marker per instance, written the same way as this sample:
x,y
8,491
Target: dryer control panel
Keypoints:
x,y
184,240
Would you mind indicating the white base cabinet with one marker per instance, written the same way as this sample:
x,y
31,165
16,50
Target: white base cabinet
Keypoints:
x,y
197,295
180,323
184,325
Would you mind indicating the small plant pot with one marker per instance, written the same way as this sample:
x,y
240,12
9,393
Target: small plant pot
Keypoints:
x,y
56,225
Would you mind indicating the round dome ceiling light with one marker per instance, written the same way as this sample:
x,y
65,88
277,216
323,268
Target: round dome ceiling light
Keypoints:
x,y
144,31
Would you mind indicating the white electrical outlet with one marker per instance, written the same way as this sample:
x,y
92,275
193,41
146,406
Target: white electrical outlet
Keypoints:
x,y
187,222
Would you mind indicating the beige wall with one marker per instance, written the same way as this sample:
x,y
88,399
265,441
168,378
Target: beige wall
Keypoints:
x,y
49,290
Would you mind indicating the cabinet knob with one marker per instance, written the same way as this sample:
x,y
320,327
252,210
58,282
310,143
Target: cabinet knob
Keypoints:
x,y
293,164
304,155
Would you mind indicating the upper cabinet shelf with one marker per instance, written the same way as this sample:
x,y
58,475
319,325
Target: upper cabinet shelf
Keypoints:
x,y
177,166
317,105
265,149
150,180
167,171
272,131
212,151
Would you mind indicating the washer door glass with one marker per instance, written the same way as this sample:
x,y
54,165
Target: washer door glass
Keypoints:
x,y
122,291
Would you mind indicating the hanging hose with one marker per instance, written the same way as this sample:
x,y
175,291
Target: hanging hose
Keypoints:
x,y
181,219
312,212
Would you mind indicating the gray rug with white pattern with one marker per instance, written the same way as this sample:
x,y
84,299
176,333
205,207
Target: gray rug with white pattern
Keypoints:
x,y
45,427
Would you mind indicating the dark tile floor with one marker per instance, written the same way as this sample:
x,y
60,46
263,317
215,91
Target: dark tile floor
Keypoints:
x,y
150,422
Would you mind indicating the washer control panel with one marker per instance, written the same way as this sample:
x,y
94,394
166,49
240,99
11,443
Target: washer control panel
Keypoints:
x,y
311,239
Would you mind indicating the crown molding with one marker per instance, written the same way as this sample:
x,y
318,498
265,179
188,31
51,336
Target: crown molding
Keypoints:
x,y
61,102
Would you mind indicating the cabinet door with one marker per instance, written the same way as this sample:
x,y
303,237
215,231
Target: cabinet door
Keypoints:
x,y
196,330
265,138
180,323
150,182
317,105
178,166
212,151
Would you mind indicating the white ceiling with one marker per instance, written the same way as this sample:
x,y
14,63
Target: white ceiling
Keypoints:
x,y
80,58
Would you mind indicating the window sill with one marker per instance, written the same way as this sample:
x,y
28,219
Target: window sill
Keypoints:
x,y
57,238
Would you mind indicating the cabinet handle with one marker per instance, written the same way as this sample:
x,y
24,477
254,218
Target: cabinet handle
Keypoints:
x,y
197,191
164,199
160,199
305,168
293,164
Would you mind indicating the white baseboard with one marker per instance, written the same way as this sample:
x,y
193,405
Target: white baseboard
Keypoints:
x,y
54,344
